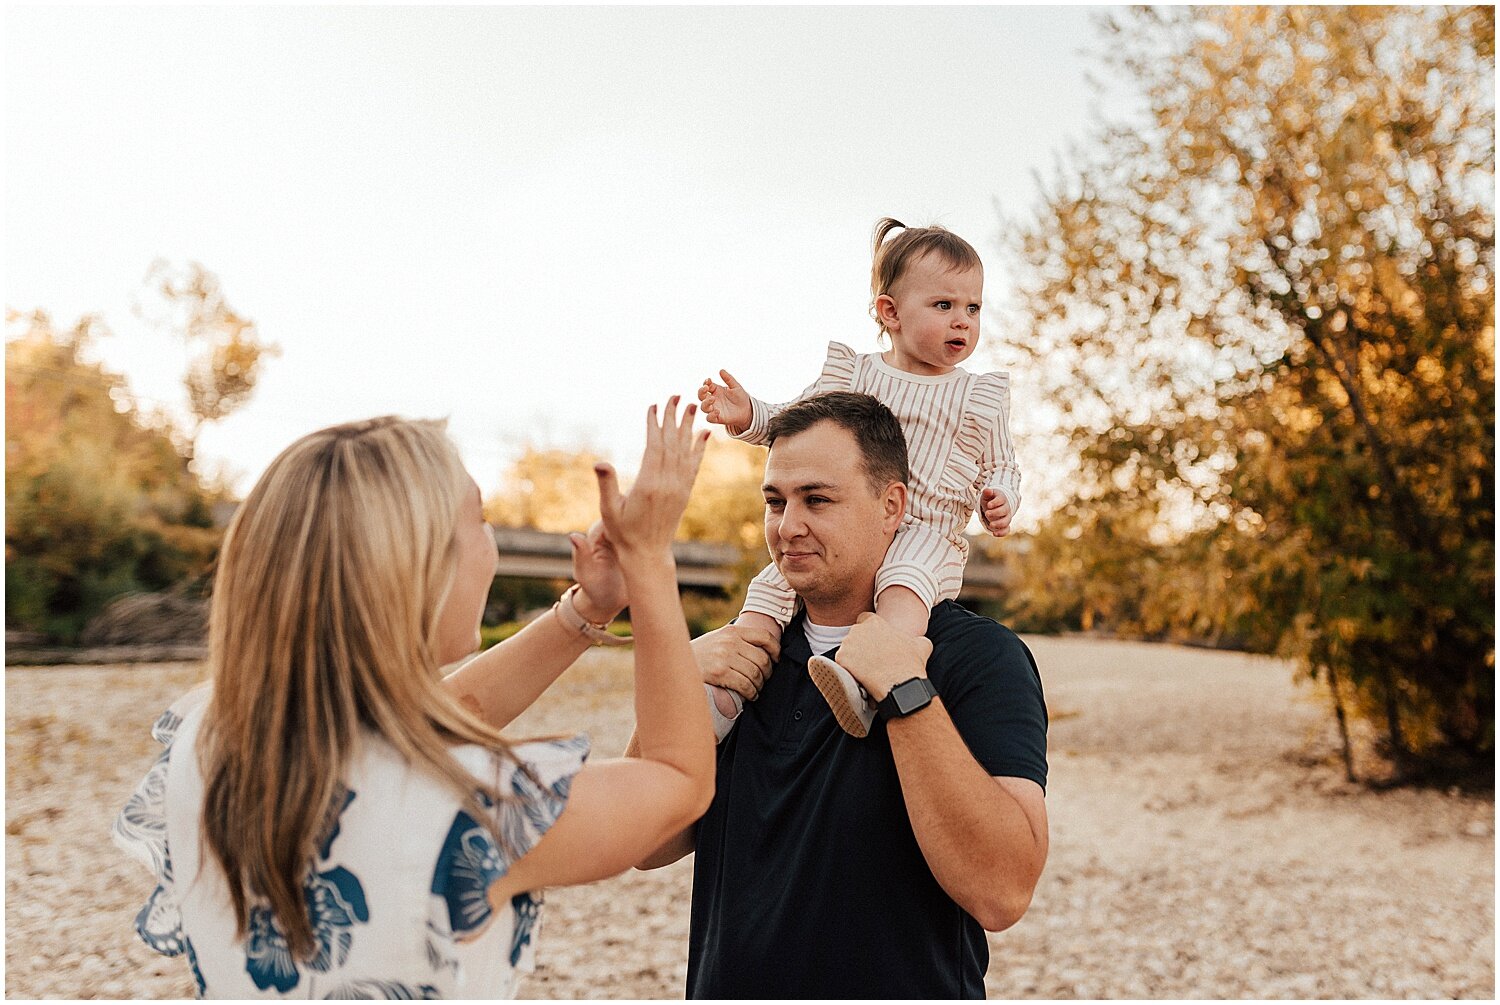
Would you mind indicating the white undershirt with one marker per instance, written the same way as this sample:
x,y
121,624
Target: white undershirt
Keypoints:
x,y
822,638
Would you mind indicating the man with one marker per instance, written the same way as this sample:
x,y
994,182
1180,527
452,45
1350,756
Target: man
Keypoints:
x,y
830,866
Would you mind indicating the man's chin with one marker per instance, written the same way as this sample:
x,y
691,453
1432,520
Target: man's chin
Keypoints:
x,y
800,580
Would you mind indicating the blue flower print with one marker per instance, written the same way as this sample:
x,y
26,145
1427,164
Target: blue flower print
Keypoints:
x,y
329,829
335,901
467,865
165,727
268,960
527,909
193,966
387,990
142,824
537,803
440,941
159,924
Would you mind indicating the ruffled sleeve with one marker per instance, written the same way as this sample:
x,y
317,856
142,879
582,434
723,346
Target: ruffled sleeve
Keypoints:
x,y
837,375
540,785
141,832
535,786
986,425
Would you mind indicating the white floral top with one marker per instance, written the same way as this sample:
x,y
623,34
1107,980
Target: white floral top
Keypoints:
x,y
398,893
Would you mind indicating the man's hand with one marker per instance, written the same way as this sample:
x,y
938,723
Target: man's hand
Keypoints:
x,y
881,656
737,657
728,405
994,511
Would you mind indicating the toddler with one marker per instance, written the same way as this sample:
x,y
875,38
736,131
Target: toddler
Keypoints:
x,y
925,286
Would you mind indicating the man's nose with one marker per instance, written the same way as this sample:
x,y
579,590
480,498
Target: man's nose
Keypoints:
x,y
792,525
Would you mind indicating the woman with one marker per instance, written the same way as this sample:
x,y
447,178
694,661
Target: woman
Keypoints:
x,y
332,817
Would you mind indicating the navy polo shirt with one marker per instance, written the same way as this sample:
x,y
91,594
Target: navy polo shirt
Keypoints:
x,y
808,881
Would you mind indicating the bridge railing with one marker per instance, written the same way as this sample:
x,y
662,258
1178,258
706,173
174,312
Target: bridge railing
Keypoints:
x,y
535,554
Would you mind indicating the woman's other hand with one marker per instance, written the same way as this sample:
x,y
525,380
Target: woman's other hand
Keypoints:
x,y
596,570
641,523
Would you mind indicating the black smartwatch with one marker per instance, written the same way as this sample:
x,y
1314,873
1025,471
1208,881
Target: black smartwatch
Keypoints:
x,y
905,698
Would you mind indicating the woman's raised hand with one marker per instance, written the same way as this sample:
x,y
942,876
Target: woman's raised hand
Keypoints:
x,y
597,572
641,523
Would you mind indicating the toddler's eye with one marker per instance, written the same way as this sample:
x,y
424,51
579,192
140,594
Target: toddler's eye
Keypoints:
x,y
973,308
943,305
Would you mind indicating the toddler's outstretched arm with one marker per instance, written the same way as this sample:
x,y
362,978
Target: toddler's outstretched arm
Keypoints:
x,y
728,404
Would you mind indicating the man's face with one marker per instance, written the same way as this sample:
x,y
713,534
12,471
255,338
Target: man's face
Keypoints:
x,y
826,527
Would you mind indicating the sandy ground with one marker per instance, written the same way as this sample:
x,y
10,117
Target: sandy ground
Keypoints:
x,y
1203,845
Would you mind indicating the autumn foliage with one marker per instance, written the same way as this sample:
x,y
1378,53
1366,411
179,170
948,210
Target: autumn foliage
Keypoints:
x,y
1265,317
99,500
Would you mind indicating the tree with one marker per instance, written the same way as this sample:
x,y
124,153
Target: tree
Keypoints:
x,y
554,489
98,499
225,349
1265,315
547,488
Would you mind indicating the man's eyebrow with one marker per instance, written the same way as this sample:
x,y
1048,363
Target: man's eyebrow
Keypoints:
x,y
801,489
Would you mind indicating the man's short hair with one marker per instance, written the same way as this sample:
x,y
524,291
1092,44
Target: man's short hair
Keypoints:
x,y
882,445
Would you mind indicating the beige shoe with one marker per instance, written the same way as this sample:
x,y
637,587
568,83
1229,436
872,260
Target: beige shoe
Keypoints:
x,y
851,706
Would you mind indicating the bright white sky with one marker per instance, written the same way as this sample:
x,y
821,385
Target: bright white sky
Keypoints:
x,y
534,221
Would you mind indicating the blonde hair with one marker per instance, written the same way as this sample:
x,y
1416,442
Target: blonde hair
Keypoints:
x,y
323,622
891,259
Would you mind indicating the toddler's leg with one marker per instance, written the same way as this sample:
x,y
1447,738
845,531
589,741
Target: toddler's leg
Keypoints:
x,y
768,592
850,703
724,707
917,572
904,609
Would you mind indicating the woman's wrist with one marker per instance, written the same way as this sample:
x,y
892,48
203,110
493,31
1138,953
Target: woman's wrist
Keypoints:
x,y
590,610
648,566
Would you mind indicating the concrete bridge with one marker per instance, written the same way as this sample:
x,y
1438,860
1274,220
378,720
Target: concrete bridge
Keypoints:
x,y
535,554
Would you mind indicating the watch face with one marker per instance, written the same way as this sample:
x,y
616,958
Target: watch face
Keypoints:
x,y
910,696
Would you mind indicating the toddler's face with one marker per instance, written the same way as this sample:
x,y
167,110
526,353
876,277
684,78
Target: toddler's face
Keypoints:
x,y
933,316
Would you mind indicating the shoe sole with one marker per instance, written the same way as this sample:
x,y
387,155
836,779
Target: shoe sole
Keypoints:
x,y
827,681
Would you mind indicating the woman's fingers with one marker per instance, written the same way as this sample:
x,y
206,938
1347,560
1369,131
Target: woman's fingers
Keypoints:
x,y
609,492
653,428
669,466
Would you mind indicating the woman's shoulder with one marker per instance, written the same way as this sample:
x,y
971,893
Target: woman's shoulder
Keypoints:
x,y
166,726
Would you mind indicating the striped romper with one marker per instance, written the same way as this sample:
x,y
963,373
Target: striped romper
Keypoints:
x,y
957,430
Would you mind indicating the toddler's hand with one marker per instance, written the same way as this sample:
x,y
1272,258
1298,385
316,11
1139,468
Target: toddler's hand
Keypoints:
x,y
727,405
994,510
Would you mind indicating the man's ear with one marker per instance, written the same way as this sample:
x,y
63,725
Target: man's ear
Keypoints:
x,y
885,312
893,502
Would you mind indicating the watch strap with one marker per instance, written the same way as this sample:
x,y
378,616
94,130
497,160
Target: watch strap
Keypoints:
x,y
573,621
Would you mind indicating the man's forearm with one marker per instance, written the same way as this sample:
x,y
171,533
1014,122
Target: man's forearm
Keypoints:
x,y
674,849
984,846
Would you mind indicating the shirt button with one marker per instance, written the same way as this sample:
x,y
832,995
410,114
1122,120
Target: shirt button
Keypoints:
x,y
797,715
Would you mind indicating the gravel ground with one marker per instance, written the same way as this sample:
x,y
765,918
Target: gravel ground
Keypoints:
x,y
1203,845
